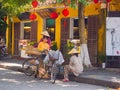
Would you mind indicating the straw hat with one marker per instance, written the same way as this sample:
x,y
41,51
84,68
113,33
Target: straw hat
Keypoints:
x,y
73,51
45,33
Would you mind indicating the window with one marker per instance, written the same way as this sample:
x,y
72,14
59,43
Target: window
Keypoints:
x,y
74,30
50,27
27,29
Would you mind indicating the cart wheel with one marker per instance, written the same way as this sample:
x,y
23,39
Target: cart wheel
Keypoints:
x,y
28,68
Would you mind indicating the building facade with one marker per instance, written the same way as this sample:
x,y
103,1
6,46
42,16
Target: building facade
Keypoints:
x,y
63,28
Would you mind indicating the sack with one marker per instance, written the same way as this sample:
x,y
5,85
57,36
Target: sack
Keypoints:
x,y
32,62
43,73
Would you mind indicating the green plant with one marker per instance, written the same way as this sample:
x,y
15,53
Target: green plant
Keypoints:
x,y
32,43
67,47
54,45
101,57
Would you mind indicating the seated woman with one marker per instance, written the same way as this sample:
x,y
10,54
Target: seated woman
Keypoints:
x,y
75,65
46,35
43,45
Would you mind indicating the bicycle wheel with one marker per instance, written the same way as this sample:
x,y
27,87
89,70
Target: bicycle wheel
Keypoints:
x,y
54,71
28,67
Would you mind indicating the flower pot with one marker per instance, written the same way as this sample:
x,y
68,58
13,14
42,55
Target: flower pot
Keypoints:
x,y
103,65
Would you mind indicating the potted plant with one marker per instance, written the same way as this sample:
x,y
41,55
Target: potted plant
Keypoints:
x,y
102,58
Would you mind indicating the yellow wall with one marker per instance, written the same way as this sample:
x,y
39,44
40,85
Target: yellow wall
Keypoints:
x,y
12,38
92,9
40,27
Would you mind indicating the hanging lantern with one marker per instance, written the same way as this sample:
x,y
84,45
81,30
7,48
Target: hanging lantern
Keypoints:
x,y
65,12
108,1
53,15
96,1
34,3
32,16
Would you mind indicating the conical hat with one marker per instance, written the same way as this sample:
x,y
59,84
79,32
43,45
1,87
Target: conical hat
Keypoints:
x,y
45,33
73,51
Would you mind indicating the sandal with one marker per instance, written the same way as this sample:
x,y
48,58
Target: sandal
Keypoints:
x,y
65,80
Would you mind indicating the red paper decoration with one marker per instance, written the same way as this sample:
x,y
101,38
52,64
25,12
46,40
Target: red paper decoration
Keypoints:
x,y
108,1
33,16
65,12
34,3
53,15
96,1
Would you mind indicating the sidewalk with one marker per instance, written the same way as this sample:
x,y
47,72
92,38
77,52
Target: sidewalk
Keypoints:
x,y
104,77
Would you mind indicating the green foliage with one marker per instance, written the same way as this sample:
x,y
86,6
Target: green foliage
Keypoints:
x,y
3,24
32,43
54,45
101,57
15,7
66,49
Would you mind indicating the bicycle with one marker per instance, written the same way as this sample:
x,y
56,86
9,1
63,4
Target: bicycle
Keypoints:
x,y
30,68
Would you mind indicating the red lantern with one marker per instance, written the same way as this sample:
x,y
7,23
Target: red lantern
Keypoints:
x,y
53,15
34,3
65,12
108,1
32,16
96,1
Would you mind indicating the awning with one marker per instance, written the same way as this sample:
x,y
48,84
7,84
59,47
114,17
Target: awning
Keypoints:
x,y
45,13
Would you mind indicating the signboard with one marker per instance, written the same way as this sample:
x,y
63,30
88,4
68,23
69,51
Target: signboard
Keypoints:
x,y
113,36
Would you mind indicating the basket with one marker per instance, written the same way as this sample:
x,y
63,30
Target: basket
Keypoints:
x,y
32,50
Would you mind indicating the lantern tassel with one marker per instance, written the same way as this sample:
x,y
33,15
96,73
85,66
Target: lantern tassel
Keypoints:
x,y
65,22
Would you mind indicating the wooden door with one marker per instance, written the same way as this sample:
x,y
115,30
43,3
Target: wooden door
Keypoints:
x,y
33,33
93,23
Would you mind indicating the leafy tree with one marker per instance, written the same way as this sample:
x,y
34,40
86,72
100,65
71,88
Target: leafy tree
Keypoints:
x,y
15,7
3,24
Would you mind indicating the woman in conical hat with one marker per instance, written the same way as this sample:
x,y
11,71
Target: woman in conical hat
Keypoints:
x,y
74,51
46,35
75,65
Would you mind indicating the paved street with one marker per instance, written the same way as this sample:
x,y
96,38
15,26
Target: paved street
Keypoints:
x,y
13,80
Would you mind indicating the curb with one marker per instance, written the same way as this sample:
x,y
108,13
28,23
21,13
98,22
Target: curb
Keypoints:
x,y
15,68
97,82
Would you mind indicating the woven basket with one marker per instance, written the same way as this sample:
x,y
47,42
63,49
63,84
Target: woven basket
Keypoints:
x,y
32,50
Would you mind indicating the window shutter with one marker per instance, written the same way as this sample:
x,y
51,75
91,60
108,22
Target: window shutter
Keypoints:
x,y
16,38
65,30
33,33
